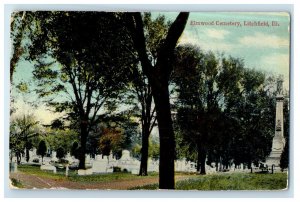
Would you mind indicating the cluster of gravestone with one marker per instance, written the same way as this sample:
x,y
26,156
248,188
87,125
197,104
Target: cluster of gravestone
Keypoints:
x,y
99,164
109,164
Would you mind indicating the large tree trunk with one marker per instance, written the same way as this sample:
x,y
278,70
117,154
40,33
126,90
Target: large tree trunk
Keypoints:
x,y
146,130
198,160
18,154
17,47
144,152
202,157
27,154
83,139
159,80
166,137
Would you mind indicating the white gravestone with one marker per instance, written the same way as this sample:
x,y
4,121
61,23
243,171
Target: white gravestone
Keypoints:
x,y
100,165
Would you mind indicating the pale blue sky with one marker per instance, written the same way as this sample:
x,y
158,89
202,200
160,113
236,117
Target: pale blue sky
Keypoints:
x,y
263,48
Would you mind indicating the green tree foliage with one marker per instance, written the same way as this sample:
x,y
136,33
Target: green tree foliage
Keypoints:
x,y
19,31
158,75
225,111
79,60
42,149
136,150
61,138
22,130
57,124
253,109
198,99
124,121
154,149
16,144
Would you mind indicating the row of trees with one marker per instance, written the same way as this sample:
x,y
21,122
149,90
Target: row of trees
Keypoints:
x,y
225,112
89,63
111,136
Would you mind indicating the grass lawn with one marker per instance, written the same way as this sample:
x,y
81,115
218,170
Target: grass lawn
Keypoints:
x,y
219,181
230,181
72,176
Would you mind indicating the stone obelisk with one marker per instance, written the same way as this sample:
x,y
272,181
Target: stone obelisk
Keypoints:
x,y
278,140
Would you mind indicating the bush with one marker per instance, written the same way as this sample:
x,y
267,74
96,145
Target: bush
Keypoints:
x,y
116,169
42,149
75,150
284,158
16,183
60,153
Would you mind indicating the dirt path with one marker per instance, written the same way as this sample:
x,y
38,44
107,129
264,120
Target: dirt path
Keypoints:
x,y
31,181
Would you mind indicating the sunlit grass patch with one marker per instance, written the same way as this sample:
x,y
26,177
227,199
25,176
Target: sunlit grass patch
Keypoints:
x,y
35,170
109,177
16,183
230,181
235,181
146,187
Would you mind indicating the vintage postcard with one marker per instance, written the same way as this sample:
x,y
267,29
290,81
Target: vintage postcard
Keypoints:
x,y
149,100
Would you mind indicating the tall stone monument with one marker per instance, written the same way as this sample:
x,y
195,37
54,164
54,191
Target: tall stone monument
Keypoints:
x,y
278,140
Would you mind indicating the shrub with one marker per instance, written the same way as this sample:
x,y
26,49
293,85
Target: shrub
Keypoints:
x,y
60,153
116,169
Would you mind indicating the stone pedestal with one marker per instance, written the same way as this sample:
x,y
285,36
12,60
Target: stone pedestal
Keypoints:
x,y
13,167
277,149
85,172
278,140
48,167
100,165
